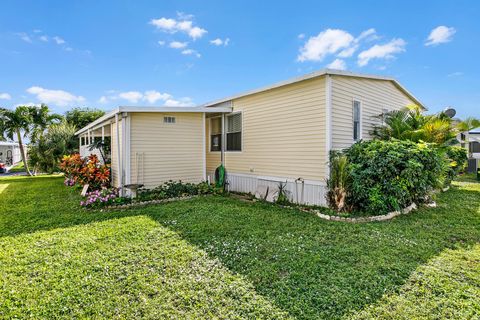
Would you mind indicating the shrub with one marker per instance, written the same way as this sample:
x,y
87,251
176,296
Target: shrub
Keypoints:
x,y
388,175
85,171
174,189
103,198
339,181
457,157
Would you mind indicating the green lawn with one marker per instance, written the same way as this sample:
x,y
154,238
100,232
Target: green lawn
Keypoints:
x,y
218,257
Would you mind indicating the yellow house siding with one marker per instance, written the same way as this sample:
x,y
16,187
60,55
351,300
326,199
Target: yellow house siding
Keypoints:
x,y
374,95
283,133
166,151
114,153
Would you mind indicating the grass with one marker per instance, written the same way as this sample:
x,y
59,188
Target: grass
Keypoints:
x,y
222,258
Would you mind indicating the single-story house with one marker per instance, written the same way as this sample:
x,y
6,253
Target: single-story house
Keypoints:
x,y
471,141
280,133
10,153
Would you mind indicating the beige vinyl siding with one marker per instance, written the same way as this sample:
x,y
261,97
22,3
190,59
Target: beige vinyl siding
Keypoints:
x,y
283,133
114,162
374,96
213,158
166,151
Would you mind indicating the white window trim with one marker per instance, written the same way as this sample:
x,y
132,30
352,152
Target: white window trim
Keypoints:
x,y
226,116
210,134
360,120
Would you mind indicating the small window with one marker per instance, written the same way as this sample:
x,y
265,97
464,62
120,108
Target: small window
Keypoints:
x,y
234,132
82,141
169,120
356,121
216,134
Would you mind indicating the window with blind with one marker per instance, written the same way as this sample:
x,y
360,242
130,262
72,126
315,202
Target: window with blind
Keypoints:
x,y
356,121
215,134
234,132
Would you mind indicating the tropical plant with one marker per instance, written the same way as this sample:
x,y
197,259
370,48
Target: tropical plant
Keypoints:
x,y
42,118
339,181
47,151
283,193
85,171
17,124
411,124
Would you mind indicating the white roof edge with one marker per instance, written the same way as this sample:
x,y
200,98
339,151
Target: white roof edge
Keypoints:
x,y
8,143
312,75
127,109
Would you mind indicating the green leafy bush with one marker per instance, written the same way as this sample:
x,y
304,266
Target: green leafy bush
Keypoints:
x,y
174,189
457,157
390,175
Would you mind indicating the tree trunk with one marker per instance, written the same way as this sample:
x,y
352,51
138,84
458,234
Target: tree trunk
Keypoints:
x,y
22,152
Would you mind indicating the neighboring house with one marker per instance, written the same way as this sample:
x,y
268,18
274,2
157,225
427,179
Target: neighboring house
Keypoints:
x,y
280,133
471,141
10,153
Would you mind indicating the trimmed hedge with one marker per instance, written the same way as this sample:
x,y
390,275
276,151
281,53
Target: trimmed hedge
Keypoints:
x,y
389,175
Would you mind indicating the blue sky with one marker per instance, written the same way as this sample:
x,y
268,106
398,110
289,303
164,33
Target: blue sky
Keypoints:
x,y
103,54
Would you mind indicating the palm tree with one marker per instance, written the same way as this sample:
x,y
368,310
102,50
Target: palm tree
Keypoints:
x,y
17,123
41,120
410,124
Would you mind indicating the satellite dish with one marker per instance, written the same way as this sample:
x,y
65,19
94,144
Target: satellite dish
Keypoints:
x,y
450,112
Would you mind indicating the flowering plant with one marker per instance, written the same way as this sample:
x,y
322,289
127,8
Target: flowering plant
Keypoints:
x,y
101,198
85,171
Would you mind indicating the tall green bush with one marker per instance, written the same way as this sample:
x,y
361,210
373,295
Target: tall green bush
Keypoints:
x,y
390,175
457,157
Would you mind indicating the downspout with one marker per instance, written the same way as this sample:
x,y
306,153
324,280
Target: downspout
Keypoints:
x,y
328,121
119,158
204,148
222,149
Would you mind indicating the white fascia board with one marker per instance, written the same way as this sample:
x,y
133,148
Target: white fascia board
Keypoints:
x,y
111,114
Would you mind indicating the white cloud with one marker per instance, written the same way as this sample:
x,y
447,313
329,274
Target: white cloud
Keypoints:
x,y
333,42
384,51
440,34
182,24
37,31
191,52
57,97
150,96
368,35
44,38
103,100
219,42
162,43
337,64
58,40
455,74
25,37
301,36
326,42
182,102
153,96
178,45
5,96
131,96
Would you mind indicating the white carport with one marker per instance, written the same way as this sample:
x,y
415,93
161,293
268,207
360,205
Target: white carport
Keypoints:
x,y
151,145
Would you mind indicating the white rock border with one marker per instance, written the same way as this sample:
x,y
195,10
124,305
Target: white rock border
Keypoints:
x,y
384,217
